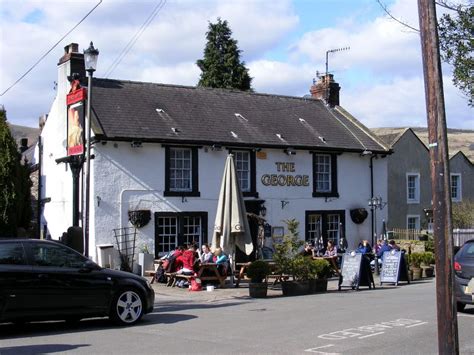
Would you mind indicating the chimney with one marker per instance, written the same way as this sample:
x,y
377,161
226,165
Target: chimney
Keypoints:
x,y
76,62
326,89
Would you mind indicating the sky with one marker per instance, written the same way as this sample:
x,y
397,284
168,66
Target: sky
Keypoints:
x,y
283,44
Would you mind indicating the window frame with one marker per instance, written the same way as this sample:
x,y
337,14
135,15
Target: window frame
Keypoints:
x,y
253,171
333,191
180,218
324,226
416,198
458,198
194,191
417,217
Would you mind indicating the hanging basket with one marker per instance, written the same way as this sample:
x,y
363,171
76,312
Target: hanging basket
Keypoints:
x,y
139,218
358,215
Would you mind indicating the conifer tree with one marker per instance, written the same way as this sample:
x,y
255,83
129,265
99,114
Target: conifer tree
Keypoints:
x,y
221,66
15,184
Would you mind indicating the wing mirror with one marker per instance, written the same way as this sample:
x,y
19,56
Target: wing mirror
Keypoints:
x,y
89,266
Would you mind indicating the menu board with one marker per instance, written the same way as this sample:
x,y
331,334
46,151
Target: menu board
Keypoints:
x,y
390,266
394,268
350,274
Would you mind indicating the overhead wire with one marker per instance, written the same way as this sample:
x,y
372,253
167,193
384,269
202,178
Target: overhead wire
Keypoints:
x,y
135,37
49,51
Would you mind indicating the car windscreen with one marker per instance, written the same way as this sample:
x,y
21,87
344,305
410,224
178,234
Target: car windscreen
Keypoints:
x,y
467,250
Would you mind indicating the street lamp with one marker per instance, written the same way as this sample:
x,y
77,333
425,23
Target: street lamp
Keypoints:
x,y
90,61
374,203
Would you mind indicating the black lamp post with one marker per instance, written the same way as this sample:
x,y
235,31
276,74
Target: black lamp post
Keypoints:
x,y
90,60
374,203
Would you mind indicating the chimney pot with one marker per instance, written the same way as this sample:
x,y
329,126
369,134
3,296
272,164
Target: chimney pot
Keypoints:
x,y
326,89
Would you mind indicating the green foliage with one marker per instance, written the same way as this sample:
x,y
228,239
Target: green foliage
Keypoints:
x,y
258,270
427,258
415,259
457,45
221,66
289,261
15,206
463,214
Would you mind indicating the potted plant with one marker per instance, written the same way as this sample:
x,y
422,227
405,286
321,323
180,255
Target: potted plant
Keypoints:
x,y
145,260
304,270
415,262
427,260
258,271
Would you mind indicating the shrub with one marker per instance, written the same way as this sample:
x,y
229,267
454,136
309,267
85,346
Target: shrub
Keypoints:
x,y
258,270
428,258
415,259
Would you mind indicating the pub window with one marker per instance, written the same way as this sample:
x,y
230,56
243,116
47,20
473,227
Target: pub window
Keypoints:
x,y
245,166
413,222
181,171
177,229
325,175
328,224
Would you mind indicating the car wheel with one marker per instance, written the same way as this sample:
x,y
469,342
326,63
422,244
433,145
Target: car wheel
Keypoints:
x,y
127,307
460,306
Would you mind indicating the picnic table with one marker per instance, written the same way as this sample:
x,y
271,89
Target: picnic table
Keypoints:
x,y
332,262
242,267
214,274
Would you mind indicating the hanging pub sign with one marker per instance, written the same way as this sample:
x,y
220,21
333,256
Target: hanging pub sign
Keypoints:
x,y
75,101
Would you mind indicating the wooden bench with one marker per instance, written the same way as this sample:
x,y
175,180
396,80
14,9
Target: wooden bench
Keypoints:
x,y
151,273
172,277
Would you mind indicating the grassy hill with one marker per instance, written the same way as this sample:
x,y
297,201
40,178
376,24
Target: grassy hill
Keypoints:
x,y
458,139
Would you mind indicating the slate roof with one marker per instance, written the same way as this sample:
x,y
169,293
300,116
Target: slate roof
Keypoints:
x,y
127,110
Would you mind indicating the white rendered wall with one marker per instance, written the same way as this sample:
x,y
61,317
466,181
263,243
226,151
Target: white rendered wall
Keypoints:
x,y
128,178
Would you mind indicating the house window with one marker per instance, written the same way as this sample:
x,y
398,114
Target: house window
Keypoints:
x,y
325,175
413,222
177,229
456,187
328,224
181,171
413,188
245,166
430,225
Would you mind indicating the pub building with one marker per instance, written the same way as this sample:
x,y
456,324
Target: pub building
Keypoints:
x,y
161,149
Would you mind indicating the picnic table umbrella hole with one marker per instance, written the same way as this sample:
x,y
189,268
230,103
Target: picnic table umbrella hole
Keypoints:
x,y
231,228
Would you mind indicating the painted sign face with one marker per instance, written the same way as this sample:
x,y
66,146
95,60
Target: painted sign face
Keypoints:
x,y
285,180
75,131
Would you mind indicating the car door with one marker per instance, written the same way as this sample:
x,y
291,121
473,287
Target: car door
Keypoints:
x,y
16,281
66,283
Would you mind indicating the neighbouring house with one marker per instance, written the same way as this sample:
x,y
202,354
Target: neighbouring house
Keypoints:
x,y
409,183
161,149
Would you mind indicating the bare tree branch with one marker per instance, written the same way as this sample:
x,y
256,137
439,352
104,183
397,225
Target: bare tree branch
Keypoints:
x,y
384,7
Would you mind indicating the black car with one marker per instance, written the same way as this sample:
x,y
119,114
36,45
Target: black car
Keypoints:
x,y
46,280
464,275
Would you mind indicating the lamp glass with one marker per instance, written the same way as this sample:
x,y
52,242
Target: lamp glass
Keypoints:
x,y
91,55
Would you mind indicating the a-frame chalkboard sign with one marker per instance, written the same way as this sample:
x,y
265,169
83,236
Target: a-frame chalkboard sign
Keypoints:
x,y
355,271
394,268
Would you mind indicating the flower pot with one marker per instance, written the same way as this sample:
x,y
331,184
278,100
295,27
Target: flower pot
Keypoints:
x,y
295,288
318,285
146,262
428,271
258,290
416,273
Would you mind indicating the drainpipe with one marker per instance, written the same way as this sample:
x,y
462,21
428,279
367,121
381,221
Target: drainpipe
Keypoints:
x,y
40,188
372,217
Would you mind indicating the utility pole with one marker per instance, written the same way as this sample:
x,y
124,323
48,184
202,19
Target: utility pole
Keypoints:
x,y
440,179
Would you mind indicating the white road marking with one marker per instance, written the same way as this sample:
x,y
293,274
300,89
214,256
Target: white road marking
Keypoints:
x,y
370,335
415,325
315,350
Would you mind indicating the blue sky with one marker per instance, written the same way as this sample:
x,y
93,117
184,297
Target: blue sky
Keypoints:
x,y
283,43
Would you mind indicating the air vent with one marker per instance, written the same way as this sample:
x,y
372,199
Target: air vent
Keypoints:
x,y
322,139
302,120
234,134
160,110
280,136
175,130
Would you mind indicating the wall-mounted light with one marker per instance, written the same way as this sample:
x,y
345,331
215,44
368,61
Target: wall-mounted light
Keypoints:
x,y
136,144
263,211
184,199
290,151
98,198
365,152
216,147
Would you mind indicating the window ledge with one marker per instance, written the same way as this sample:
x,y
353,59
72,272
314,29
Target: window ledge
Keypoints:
x,y
182,193
325,194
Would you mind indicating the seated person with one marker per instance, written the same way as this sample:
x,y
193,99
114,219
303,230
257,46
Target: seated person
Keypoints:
x,y
308,250
393,245
365,248
331,249
383,248
222,261
187,261
205,255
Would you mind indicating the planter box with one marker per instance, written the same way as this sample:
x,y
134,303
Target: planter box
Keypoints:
x,y
258,290
146,262
295,288
318,285
428,271
416,273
